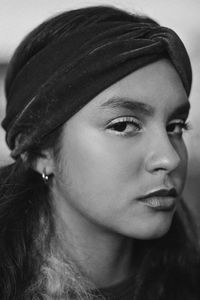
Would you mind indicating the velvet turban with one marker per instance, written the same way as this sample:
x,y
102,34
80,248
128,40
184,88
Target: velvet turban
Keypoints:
x,y
69,71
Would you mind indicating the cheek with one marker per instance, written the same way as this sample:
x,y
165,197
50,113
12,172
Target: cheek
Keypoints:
x,y
184,156
98,170
181,171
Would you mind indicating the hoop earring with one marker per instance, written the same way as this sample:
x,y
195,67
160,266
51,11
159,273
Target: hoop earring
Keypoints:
x,y
45,177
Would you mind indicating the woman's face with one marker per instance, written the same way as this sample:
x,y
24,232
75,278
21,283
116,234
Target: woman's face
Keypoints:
x,y
123,160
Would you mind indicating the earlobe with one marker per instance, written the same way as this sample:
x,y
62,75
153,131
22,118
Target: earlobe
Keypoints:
x,y
44,164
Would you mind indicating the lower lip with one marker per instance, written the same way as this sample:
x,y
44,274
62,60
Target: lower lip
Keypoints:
x,y
160,203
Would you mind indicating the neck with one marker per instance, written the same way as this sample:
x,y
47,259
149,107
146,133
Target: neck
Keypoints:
x,y
103,256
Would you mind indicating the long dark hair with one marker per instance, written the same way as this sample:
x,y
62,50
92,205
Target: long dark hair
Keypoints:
x,y
30,267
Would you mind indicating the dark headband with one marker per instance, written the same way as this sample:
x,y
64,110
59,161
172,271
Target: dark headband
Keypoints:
x,y
65,75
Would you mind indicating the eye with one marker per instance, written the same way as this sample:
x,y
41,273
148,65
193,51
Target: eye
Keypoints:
x,y
124,126
177,127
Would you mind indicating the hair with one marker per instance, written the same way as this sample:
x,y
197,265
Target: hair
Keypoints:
x,y
31,264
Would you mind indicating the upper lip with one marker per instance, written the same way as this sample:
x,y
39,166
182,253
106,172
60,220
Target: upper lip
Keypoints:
x,y
163,192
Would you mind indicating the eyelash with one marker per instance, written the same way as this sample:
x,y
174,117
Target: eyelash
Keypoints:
x,y
184,126
114,126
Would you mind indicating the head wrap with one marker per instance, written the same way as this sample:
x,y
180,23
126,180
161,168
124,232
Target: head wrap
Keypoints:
x,y
66,74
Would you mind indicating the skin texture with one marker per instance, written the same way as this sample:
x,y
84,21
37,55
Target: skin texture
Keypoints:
x,y
103,169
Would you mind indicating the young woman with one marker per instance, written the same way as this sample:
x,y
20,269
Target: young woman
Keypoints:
x,y
97,104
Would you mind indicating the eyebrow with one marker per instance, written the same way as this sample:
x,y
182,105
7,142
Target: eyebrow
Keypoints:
x,y
140,107
128,103
181,110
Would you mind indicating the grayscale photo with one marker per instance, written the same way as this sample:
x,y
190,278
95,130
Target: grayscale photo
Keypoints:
x,y
99,150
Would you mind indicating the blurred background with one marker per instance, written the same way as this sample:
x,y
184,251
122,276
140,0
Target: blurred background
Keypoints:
x,y
17,18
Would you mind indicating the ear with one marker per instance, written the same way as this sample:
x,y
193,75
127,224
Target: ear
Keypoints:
x,y
44,162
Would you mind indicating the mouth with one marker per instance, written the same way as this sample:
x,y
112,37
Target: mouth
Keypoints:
x,y
161,200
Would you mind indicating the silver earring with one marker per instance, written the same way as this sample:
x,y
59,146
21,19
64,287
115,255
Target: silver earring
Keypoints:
x,y
45,177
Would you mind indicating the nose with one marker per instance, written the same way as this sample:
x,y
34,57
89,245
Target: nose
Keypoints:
x,y
162,154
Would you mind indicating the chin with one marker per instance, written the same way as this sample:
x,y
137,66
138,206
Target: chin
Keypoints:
x,y
151,228
156,229
152,234
158,233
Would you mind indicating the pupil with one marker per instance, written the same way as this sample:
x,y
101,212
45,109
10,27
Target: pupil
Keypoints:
x,y
120,126
171,127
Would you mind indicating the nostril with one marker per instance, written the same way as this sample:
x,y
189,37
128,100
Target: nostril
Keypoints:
x,y
160,169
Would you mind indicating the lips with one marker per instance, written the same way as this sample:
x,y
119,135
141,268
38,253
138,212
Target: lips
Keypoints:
x,y
162,199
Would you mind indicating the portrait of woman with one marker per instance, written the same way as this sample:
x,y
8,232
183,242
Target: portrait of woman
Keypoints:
x,y
91,207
